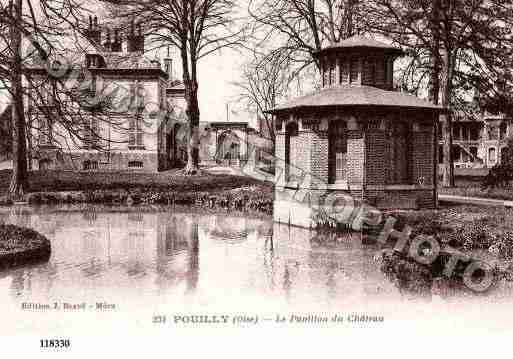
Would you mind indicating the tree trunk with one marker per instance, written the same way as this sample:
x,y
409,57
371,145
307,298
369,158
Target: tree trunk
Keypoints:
x,y
193,116
446,118
19,179
434,89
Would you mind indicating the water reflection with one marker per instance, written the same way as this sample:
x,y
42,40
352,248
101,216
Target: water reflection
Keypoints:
x,y
127,255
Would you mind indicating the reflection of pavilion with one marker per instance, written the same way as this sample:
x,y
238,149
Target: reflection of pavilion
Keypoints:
x,y
229,229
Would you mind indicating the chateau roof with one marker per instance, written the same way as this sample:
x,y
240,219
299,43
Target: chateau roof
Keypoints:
x,y
350,96
361,42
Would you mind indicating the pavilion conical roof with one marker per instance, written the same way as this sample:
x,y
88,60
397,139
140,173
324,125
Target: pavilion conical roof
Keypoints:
x,y
361,42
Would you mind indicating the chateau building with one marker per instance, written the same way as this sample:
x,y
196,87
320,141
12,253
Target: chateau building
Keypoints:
x,y
126,112
479,142
131,114
354,137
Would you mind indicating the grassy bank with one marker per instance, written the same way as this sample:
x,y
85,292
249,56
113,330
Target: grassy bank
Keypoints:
x,y
483,233
56,181
471,187
21,246
209,191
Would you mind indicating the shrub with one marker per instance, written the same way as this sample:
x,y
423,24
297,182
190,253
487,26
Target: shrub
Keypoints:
x,y
502,174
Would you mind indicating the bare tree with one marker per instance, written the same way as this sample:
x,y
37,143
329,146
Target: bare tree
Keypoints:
x,y
301,27
55,86
264,82
197,28
19,178
453,47
15,25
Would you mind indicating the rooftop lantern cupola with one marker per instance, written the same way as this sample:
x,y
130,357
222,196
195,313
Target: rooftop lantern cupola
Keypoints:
x,y
358,61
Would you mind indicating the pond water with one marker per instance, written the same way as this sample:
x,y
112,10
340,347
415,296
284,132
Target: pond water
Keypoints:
x,y
153,260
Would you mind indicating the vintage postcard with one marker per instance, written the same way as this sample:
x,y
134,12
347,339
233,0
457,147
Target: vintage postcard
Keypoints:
x,y
285,177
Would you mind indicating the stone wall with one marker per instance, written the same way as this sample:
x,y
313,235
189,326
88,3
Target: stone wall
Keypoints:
x,y
300,207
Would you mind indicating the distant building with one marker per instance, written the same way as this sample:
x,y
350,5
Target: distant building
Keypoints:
x,y
6,133
132,137
478,140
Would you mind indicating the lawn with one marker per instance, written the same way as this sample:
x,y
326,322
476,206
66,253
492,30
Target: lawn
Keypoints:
x,y
483,233
466,227
471,187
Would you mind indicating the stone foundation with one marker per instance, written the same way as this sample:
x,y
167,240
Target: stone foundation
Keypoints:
x,y
301,207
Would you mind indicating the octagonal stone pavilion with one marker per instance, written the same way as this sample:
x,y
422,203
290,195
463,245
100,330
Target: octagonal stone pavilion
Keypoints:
x,y
355,136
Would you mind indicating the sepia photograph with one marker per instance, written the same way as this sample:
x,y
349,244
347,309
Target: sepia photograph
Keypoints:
x,y
265,177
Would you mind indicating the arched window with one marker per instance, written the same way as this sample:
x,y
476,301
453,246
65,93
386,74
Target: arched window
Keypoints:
x,y
337,152
492,155
291,133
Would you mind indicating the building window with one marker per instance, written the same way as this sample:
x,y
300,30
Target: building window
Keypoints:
x,y
90,165
372,71
475,132
135,164
354,70
291,135
337,152
492,155
135,133
91,134
325,74
465,132
398,154
465,158
504,154
456,132
332,73
45,164
493,133
456,153
45,132
503,130
344,71
380,71
440,154
473,152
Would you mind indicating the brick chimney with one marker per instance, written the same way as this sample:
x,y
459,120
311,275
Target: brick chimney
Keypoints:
x,y
136,39
168,64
